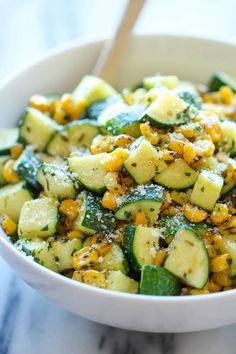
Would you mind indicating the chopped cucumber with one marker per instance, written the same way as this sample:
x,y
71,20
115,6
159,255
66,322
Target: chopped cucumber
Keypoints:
x,y
38,218
178,175
188,258
72,136
37,128
143,161
3,159
12,199
27,166
143,198
229,246
63,251
90,171
92,89
56,182
220,79
118,281
141,244
8,137
156,280
207,190
114,259
40,250
93,217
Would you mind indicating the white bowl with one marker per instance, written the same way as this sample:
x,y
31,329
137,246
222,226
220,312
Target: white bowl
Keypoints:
x,y
59,71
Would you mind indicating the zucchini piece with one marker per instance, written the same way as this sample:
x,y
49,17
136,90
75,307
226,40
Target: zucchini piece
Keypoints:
x,y
143,161
227,187
72,136
118,281
56,182
37,128
168,110
192,98
178,175
123,120
114,259
40,250
170,81
143,198
63,251
96,108
220,79
229,246
8,138
228,144
157,280
26,166
3,159
206,190
38,218
188,258
92,89
141,244
12,198
89,170
93,217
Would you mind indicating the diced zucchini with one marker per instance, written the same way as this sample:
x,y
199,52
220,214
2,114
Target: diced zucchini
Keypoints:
x,y
63,251
96,108
72,136
227,187
188,259
3,159
220,79
192,98
144,198
56,182
38,218
114,259
168,110
178,175
118,281
89,170
141,244
8,137
207,190
93,217
169,81
92,89
27,166
12,198
37,128
228,144
143,161
157,280
229,246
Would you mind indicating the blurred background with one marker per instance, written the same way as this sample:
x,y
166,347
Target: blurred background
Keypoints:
x,y
30,27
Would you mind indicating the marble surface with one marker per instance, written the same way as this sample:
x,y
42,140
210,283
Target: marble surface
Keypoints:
x,y
30,323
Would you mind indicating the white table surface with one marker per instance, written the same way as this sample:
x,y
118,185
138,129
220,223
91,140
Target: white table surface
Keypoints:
x,y
30,323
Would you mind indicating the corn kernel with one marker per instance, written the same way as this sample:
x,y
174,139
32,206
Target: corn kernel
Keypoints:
x,y
226,95
160,257
102,245
8,172
219,214
194,214
168,155
39,102
16,150
115,160
229,174
180,198
199,292
123,140
191,130
78,275
213,287
75,234
60,116
113,182
172,210
226,288
80,107
94,278
219,263
85,257
109,201
150,134
140,218
204,148
9,226
102,145
189,153
222,278
69,208
177,146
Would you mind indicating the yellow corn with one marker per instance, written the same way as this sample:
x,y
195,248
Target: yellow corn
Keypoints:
x,y
226,95
177,146
191,130
198,292
229,174
228,227
172,210
180,198
115,160
194,214
109,201
219,214
150,134
222,278
213,287
166,201
8,172
69,208
114,183
123,140
212,251
226,288
60,116
75,234
39,102
214,130
102,245
204,148
168,155
80,107
72,108
189,153
102,145
94,278
16,150
160,257
9,226
85,257
78,275
140,218
219,263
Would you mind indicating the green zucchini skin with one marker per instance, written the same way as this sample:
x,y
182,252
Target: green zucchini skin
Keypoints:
x,y
156,280
27,166
96,108
129,239
3,159
220,79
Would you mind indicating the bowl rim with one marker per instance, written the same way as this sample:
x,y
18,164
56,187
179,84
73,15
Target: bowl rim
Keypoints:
x,y
58,278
